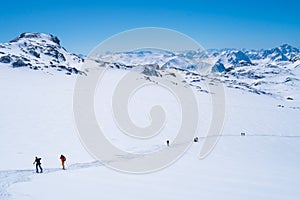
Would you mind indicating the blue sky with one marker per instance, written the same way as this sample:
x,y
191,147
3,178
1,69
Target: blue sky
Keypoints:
x,y
81,25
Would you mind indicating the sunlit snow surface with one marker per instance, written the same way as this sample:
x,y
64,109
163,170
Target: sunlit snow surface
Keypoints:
x,y
37,119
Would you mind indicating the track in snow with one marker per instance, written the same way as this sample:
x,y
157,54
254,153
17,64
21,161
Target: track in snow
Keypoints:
x,y
10,177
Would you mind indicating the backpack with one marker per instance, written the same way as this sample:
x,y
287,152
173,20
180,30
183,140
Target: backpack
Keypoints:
x,y
63,158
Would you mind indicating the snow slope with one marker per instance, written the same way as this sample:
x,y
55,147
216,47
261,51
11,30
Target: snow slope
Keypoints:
x,y
262,165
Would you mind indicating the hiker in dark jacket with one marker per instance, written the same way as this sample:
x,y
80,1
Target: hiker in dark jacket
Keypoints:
x,y
38,163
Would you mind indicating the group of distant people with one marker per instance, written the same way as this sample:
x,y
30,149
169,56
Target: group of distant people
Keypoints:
x,y
196,139
38,163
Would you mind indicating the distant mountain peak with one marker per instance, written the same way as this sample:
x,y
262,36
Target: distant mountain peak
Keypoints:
x,y
39,51
41,36
286,46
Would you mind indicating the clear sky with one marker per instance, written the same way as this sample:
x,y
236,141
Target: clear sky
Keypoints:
x,y
81,25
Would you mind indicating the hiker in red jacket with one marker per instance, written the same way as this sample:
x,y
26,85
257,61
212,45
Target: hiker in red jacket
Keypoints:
x,y
63,160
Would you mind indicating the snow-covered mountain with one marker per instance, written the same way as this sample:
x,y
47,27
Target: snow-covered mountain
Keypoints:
x,y
273,71
189,60
39,51
219,59
277,57
283,53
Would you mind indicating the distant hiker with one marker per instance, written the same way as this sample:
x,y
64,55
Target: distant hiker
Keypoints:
x,y
196,139
63,160
38,163
168,143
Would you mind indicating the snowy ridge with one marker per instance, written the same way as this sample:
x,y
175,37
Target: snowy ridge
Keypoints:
x,y
191,60
274,71
271,72
163,59
39,51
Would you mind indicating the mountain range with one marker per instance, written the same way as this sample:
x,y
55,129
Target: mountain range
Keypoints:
x,y
262,71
